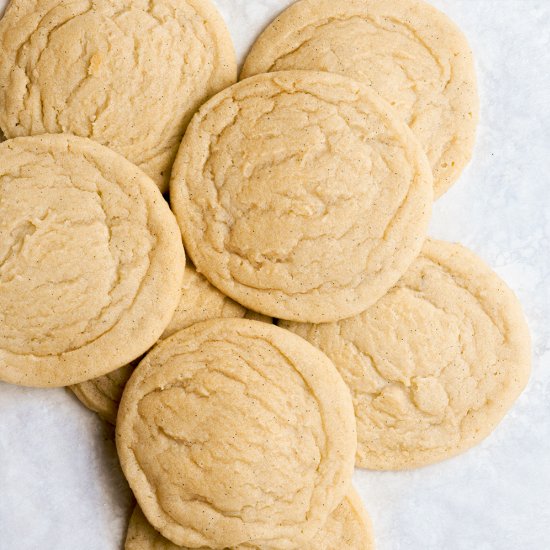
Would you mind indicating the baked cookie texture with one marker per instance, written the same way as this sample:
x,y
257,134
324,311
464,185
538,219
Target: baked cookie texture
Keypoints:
x,y
409,52
199,301
237,432
126,73
103,394
301,195
435,364
91,261
348,527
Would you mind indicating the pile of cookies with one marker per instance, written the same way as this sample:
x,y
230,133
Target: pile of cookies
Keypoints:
x,y
318,328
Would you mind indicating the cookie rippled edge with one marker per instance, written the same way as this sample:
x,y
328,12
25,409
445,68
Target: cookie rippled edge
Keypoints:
x,y
237,432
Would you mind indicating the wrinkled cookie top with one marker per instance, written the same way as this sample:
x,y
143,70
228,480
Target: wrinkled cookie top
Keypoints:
x,y
409,52
199,301
434,365
126,73
237,432
301,195
347,528
91,261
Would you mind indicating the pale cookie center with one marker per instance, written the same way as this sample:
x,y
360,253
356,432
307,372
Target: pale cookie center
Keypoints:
x,y
304,190
123,77
238,435
70,261
393,59
418,363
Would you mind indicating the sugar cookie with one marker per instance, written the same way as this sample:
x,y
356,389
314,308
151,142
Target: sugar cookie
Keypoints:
x,y
91,261
237,432
301,195
435,364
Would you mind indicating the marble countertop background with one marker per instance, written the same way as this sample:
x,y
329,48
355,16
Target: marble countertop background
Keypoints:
x,y
60,484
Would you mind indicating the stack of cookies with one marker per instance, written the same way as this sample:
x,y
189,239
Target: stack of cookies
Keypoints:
x,y
318,328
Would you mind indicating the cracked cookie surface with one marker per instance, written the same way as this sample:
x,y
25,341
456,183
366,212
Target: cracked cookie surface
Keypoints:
x,y
408,51
91,261
199,301
128,74
237,432
435,364
348,527
301,195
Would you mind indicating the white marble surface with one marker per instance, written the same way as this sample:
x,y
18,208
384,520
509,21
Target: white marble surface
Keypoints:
x,y
60,486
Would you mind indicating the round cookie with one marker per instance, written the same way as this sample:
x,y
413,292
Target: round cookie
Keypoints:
x,y
199,301
91,261
301,195
128,74
409,52
348,527
237,432
435,364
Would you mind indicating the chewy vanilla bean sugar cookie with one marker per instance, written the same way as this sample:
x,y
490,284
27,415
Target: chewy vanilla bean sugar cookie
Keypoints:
x,y
347,528
199,301
301,195
237,432
435,364
409,52
128,74
91,261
